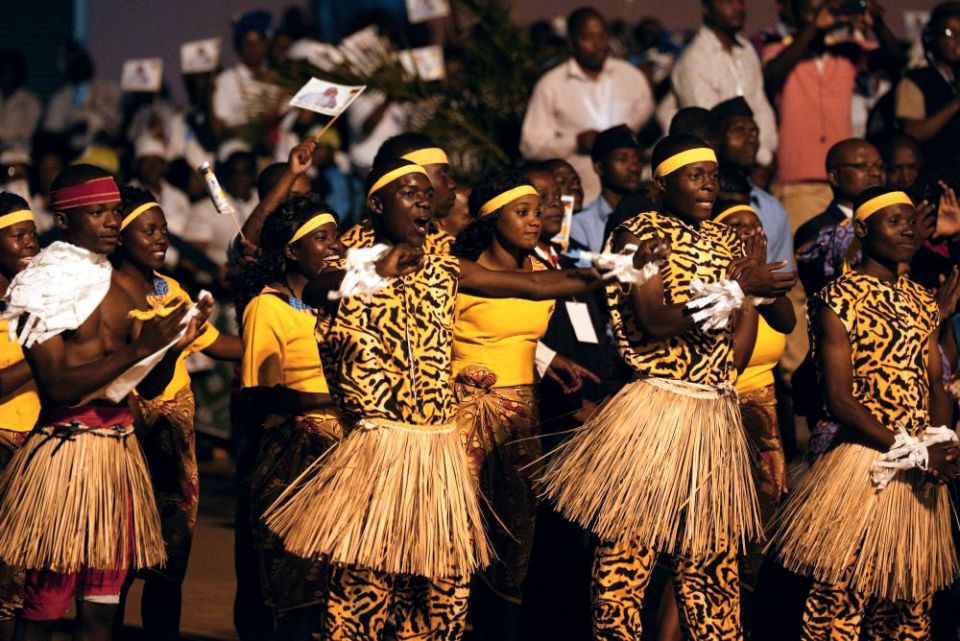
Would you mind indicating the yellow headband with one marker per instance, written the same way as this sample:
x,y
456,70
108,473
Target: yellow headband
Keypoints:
x,y
319,220
390,176
874,205
730,211
15,217
684,158
510,195
428,156
133,215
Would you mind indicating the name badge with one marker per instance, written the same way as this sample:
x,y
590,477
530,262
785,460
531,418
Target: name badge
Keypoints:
x,y
582,325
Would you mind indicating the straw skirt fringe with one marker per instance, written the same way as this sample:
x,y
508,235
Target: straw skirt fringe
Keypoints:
x,y
895,544
390,497
83,501
666,464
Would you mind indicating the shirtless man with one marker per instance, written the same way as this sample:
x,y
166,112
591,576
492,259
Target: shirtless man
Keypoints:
x,y
76,505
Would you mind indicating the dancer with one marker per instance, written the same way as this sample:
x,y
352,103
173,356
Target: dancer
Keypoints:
x,y
663,467
284,388
19,403
165,424
876,540
81,347
394,505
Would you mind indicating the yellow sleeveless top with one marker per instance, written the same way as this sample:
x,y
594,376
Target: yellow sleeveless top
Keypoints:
x,y
19,410
767,352
280,347
500,334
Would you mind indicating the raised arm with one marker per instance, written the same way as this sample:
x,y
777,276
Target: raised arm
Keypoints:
x,y
777,69
301,159
65,383
557,283
834,361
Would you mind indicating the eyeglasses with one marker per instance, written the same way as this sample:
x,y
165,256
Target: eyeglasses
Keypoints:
x,y
862,166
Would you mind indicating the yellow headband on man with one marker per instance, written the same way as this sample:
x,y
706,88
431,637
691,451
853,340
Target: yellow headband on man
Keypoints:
x,y
428,156
874,205
390,176
15,217
510,195
684,158
319,220
730,211
133,215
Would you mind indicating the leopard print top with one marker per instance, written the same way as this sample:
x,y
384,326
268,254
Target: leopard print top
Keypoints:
x,y
388,355
889,327
361,235
705,253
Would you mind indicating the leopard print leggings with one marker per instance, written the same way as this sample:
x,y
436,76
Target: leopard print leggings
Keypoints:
x,y
360,601
708,593
836,613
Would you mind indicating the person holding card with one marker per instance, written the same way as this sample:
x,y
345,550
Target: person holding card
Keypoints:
x,y
164,424
247,89
395,506
86,351
664,467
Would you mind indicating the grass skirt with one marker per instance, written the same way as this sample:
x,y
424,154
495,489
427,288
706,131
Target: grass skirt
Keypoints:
x,y
391,497
664,463
895,544
78,496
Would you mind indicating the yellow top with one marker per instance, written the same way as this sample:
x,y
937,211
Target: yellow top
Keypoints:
x,y
500,334
279,347
767,351
18,411
165,292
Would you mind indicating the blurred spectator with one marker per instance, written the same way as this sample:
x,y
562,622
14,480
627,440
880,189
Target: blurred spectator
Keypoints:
x,y
616,161
902,158
339,188
928,99
738,148
149,172
373,118
194,133
813,82
16,168
656,53
86,106
20,110
245,90
568,180
699,122
719,64
576,100
207,229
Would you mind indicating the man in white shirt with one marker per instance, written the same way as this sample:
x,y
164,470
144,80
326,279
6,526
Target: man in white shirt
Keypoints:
x,y
719,64
86,105
587,94
20,110
244,91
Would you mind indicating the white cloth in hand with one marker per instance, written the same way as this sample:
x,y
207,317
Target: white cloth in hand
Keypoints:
x,y
621,265
361,278
908,452
716,303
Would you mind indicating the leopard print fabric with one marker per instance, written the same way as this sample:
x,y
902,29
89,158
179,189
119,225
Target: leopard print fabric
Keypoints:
x,y
437,242
361,601
388,355
705,253
707,589
889,326
837,613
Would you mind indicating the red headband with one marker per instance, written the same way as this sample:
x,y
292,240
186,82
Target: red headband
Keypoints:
x,y
93,192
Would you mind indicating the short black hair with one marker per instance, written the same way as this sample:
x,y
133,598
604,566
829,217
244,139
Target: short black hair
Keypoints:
x,y
10,202
835,153
402,144
733,180
888,141
132,197
696,121
579,17
673,144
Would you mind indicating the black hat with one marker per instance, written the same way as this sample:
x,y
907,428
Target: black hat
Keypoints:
x,y
730,108
619,137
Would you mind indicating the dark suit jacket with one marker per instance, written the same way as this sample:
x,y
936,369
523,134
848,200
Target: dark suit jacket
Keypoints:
x,y
809,230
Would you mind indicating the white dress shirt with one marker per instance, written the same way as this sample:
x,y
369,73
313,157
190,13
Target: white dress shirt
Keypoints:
x,y
19,116
97,103
566,102
395,120
707,74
